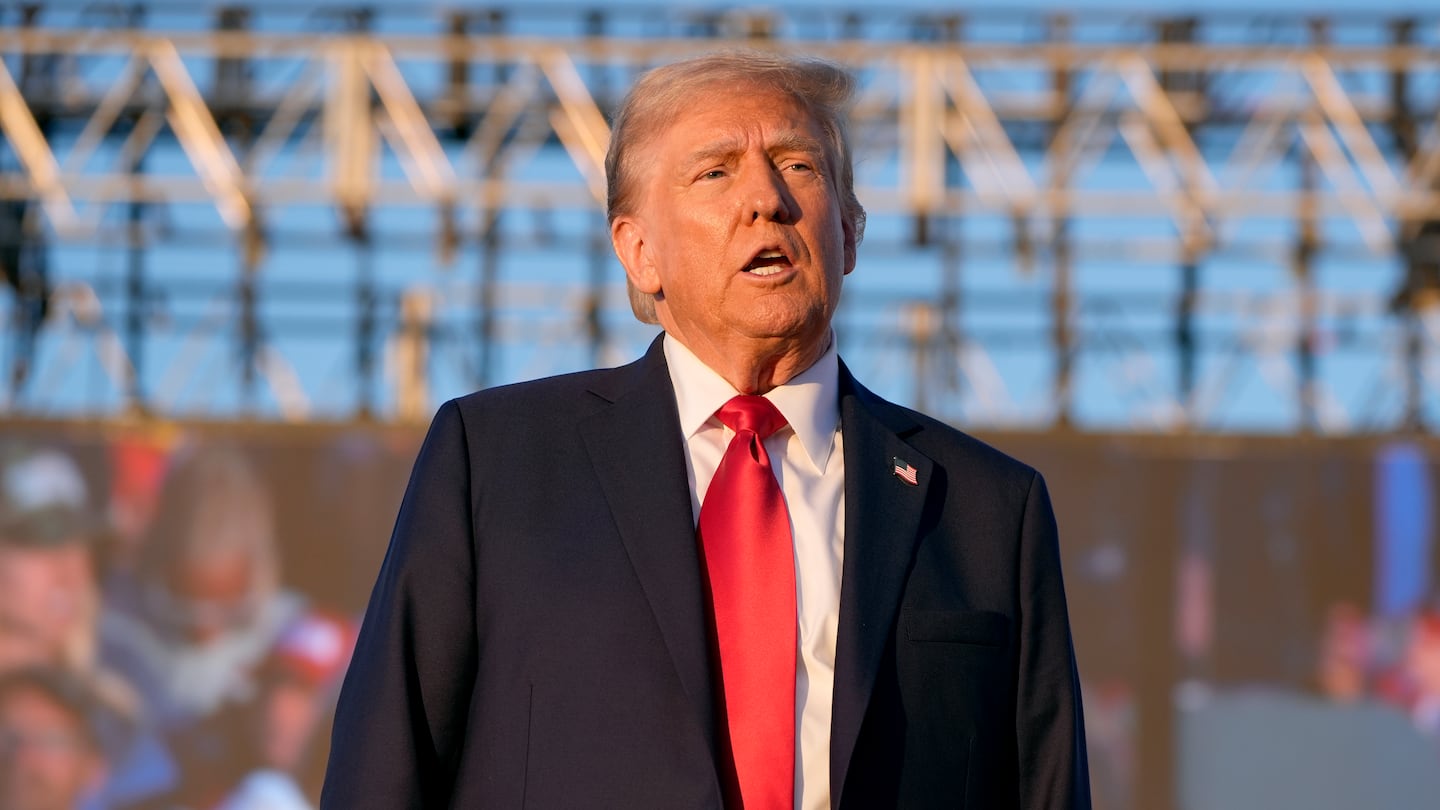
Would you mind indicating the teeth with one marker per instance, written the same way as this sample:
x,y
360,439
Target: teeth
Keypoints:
x,y
764,271
770,254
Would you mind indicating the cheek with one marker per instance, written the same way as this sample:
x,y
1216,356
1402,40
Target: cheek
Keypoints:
x,y
687,267
699,227
20,651
78,571
21,580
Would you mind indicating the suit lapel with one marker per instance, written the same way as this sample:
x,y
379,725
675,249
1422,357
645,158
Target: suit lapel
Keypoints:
x,y
638,455
882,520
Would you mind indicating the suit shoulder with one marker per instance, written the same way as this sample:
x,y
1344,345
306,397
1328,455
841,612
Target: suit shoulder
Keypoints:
x,y
940,441
966,445
573,395
521,397
950,445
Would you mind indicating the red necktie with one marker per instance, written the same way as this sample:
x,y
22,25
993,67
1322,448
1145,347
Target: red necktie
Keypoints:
x,y
750,574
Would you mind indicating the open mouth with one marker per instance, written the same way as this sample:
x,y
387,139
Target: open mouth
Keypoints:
x,y
767,263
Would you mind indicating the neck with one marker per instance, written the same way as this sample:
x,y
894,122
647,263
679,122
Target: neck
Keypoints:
x,y
759,368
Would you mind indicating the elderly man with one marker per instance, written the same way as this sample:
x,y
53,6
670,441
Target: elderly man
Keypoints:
x,y
725,575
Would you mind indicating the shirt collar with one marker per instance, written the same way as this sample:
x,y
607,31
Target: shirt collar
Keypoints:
x,y
809,401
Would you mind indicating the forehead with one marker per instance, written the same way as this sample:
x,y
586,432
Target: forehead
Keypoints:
x,y
720,114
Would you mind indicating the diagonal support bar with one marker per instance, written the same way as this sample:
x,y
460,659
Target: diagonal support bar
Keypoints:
x,y
426,165
579,122
1356,138
200,136
19,125
1000,158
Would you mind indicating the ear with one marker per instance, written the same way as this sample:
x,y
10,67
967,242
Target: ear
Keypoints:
x,y
627,235
847,227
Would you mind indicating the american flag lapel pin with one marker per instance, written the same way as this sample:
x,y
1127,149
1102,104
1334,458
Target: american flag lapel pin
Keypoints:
x,y
905,472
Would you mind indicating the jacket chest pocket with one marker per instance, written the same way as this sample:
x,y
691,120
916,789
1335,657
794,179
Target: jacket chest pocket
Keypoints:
x,y
957,672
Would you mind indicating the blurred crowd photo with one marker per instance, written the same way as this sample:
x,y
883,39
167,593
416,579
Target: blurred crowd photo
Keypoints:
x,y
155,653
178,606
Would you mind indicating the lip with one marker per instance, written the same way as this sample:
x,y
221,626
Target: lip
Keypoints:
x,y
782,266
775,274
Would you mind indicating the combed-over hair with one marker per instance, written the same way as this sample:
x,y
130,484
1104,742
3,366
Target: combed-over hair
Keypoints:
x,y
824,89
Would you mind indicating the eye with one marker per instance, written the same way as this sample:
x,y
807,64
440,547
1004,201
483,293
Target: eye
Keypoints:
x,y
800,166
712,174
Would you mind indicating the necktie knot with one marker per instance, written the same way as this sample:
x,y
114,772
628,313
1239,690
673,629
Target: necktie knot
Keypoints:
x,y
747,412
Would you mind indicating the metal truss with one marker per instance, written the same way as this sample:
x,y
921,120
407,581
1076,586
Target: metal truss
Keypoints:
x,y
1179,143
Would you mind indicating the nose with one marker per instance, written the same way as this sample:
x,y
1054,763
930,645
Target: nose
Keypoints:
x,y
769,198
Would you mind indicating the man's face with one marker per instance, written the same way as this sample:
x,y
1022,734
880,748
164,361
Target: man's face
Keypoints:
x,y
738,230
209,596
288,714
46,600
45,761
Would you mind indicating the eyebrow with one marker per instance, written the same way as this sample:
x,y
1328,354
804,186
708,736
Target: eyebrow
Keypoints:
x,y
789,141
795,142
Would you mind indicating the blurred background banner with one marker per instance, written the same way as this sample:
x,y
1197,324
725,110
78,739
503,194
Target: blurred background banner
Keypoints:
x,y
1249,654
1184,261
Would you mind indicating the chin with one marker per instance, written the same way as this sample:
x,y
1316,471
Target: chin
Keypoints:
x,y
787,323
780,333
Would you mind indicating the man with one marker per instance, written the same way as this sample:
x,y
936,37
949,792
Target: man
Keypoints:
x,y
49,755
633,588
48,596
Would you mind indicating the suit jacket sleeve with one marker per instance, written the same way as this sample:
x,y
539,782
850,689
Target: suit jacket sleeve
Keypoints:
x,y
405,702
1050,729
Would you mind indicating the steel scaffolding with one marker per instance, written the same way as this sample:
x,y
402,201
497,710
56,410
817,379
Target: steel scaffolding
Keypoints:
x,y
1030,143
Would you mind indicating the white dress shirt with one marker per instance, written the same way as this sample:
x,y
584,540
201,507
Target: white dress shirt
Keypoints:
x,y
809,462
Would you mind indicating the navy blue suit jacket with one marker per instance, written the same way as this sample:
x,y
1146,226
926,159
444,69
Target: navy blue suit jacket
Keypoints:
x,y
537,636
